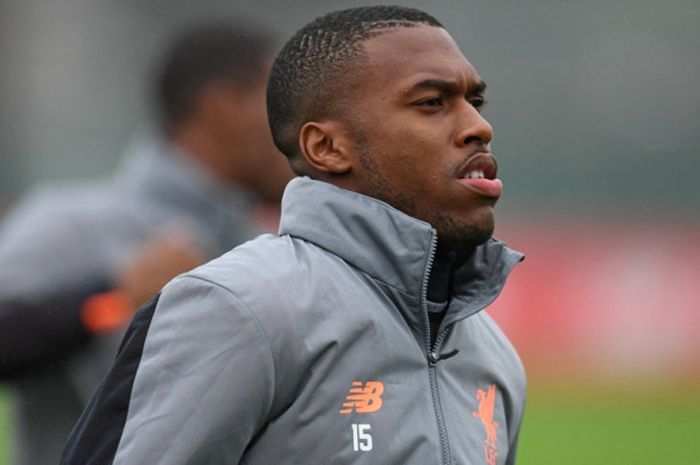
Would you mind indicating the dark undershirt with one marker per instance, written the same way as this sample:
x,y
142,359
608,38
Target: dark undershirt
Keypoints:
x,y
439,285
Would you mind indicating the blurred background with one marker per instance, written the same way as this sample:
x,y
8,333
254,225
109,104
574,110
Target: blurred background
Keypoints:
x,y
596,109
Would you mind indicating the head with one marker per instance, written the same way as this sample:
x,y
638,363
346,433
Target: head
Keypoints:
x,y
381,101
210,97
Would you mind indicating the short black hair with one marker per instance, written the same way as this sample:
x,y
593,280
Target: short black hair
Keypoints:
x,y
211,50
306,80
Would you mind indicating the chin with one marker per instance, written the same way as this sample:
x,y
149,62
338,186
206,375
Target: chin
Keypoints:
x,y
467,235
480,236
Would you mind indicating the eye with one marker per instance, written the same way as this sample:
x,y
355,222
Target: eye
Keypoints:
x,y
478,103
432,102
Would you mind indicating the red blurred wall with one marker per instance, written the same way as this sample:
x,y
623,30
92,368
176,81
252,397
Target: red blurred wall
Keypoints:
x,y
604,300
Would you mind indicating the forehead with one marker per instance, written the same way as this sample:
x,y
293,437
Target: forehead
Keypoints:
x,y
400,57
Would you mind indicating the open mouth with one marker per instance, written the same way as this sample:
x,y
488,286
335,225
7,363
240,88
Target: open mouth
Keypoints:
x,y
479,174
480,166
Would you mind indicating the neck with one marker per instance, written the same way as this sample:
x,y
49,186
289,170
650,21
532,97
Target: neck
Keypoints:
x,y
202,145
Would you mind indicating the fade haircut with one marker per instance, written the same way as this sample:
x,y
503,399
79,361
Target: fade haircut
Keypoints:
x,y
209,51
311,72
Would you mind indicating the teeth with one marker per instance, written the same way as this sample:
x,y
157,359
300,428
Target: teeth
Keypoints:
x,y
476,174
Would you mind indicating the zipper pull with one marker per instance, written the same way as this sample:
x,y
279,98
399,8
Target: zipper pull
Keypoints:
x,y
434,357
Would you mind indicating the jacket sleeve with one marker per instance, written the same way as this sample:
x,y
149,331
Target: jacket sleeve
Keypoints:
x,y
45,276
514,434
512,451
193,383
37,328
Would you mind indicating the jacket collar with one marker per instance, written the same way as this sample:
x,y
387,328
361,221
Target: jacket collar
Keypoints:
x,y
159,177
161,170
387,244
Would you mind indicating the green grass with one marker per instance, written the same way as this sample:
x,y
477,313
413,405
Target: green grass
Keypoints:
x,y
568,425
596,426
4,427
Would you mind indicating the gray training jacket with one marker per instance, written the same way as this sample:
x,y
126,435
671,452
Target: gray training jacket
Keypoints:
x,y
312,347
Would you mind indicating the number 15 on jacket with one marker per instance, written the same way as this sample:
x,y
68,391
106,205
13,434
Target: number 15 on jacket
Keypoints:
x,y
361,437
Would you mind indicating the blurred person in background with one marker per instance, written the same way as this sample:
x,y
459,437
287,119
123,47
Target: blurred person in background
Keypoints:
x,y
76,260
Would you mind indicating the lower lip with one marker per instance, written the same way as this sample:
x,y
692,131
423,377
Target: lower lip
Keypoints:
x,y
485,187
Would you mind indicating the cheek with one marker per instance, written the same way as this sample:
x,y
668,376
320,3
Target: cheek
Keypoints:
x,y
425,152
258,121
412,155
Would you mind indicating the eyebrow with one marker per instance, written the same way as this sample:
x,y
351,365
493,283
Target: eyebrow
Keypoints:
x,y
449,87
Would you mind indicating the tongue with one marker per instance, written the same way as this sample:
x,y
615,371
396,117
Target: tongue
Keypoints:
x,y
487,187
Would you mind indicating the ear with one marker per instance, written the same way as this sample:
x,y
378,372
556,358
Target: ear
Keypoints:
x,y
325,147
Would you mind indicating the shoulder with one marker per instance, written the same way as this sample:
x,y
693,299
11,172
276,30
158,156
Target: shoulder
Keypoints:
x,y
500,345
284,283
269,263
52,228
60,203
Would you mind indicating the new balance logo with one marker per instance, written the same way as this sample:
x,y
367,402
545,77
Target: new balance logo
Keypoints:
x,y
363,398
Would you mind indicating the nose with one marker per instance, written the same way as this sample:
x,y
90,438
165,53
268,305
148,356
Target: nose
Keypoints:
x,y
473,127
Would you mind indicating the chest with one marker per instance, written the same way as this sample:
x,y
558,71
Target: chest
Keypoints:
x,y
371,396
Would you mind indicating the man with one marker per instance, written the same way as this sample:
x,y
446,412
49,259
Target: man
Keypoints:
x,y
75,261
357,335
